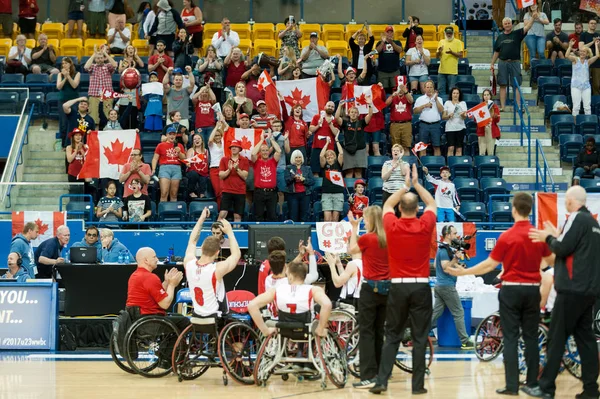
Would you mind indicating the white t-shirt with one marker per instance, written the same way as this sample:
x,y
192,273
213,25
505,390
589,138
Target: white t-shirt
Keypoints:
x,y
216,153
455,123
419,69
14,50
118,42
428,115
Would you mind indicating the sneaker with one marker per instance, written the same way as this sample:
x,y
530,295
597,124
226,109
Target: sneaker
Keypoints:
x,y
468,345
366,384
377,389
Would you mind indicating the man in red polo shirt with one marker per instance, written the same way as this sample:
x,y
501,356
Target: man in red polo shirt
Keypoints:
x,y
408,242
519,296
233,172
321,127
265,178
401,116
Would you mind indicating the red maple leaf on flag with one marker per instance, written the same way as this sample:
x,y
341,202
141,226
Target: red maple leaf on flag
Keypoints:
x,y
297,98
117,155
327,244
246,144
362,99
43,228
336,177
482,114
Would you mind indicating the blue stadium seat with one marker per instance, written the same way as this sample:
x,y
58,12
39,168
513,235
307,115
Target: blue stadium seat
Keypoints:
x,y
52,104
172,211
434,79
317,215
570,146
13,78
492,185
549,101
32,79
595,104
317,188
335,97
433,67
145,59
374,165
565,83
471,99
586,124
60,58
79,210
150,139
461,166
37,99
563,67
375,189
467,189
596,138
488,166
410,159
590,185
84,81
349,181
463,66
540,68
473,211
9,102
433,163
501,212
421,209
561,124
472,145
196,208
548,85
466,83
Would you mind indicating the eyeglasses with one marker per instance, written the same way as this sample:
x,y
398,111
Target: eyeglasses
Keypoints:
x,y
136,155
92,235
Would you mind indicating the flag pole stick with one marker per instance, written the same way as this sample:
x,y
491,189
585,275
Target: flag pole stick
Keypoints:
x,y
418,159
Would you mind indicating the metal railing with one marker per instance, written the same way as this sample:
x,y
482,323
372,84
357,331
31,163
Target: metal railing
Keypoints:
x,y
495,34
541,175
461,12
518,108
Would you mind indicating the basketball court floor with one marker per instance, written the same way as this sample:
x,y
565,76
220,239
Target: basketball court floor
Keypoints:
x,y
80,375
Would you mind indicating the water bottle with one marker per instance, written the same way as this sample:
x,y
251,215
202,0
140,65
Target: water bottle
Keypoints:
x,y
121,257
68,257
126,257
171,256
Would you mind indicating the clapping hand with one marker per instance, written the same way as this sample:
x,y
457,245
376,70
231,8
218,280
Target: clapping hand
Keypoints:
x,y
330,258
173,277
355,222
414,177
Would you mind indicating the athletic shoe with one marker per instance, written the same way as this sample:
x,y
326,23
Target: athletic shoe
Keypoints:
x,y
366,384
377,389
468,345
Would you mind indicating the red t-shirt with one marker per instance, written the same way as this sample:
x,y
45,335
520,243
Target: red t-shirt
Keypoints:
x,y
146,291
409,240
263,273
400,110
375,259
168,62
234,73
252,91
233,184
299,186
520,257
376,124
205,115
361,202
265,173
321,134
298,132
167,154
145,169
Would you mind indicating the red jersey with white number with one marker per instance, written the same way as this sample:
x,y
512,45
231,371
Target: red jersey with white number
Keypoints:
x,y
294,298
352,287
208,293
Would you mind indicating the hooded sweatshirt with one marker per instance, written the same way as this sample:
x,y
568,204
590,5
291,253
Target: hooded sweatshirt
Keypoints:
x,y
22,246
111,255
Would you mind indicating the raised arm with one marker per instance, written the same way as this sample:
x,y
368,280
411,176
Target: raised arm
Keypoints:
x,y
232,260
190,252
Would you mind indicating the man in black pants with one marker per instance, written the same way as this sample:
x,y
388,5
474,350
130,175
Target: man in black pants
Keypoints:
x,y
519,296
577,283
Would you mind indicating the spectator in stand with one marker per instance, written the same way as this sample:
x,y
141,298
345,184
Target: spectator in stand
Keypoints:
x,y
203,100
446,196
116,13
412,32
229,115
455,113
241,103
48,253
265,180
332,197
75,14
77,112
67,83
153,113
210,68
165,25
112,248
191,15
178,97
21,244
557,41
100,80
251,78
299,181
6,20
430,107
313,56
449,51
376,128
536,39
28,10
417,61
401,116
581,89
119,37
96,18
296,128
283,141
508,50
160,62
131,59
487,135
167,155
114,121
389,56
91,241
290,37
262,120
358,200
347,78
197,168
216,152
43,57
287,63
360,51
355,146
147,25
587,162
235,66
588,40
182,136
110,207
225,39
183,49
394,172
19,57
297,73
136,169
233,172
75,154
322,127
577,34
138,207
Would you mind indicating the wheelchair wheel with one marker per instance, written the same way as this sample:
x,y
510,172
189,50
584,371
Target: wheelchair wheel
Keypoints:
x,y
597,324
263,368
542,347
342,323
150,341
571,359
194,353
333,358
404,357
120,360
488,338
238,346
352,353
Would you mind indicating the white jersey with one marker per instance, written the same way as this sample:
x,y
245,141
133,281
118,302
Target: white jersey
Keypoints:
x,y
445,193
294,299
208,293
552,294
271,282
352,286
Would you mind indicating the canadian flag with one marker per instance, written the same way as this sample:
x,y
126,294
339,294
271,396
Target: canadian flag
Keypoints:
x,y
47,223
265,83
360,95
312,94
335,177
462,229
420,146
107,152
248,137
193,160
551,208
481,114
525,3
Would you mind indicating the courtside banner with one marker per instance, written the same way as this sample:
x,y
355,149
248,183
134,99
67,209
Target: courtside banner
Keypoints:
x,y
550,207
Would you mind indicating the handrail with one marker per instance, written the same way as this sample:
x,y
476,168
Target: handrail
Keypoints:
x,y
495,30
538,169
518,109
20,151
78,196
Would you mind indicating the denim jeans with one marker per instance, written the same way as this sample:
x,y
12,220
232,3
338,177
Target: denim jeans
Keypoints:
x,y
445,83
299,206
579,172
536,44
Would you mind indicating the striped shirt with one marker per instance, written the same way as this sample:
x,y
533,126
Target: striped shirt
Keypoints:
x,y
396,180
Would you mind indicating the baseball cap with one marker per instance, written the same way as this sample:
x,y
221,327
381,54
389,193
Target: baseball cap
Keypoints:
x,y
314,34
443,168
177,71
260,102
153,73
389,28
449,29
359,181
242,116
349,69
171,129
236,143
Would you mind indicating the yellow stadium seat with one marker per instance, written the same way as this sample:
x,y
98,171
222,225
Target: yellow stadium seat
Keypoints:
x,y
306,43
56,44
429,32
75,33
71,47
398,31
378,30
210,29
88,47
333,32
205,44
337,47
54,30
263,31
267,46
134,32
29,43
306,29
5,45
243,30
16,31
245,45
141,46
279,27
432,46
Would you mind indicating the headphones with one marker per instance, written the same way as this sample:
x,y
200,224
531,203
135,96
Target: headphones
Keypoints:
x,y
446,230
19,259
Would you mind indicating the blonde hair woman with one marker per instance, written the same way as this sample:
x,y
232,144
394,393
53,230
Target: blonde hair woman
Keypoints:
x,y
288,64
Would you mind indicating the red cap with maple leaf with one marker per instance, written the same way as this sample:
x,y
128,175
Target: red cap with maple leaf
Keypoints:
x,y
236,143
74,132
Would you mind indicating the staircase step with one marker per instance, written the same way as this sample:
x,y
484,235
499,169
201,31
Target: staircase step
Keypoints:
x,y
509,121
562,181
45,154
520,161
515,135
47,162
503,151
45,200
45,177
56,167
40,208
49,191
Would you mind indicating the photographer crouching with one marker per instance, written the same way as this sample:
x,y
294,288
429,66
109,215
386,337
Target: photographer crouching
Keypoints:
x,y
449,254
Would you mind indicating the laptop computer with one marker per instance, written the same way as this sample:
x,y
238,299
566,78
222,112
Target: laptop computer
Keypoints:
x,y
87,255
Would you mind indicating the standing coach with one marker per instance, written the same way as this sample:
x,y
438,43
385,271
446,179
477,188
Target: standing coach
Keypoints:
x,y
577,283
409,240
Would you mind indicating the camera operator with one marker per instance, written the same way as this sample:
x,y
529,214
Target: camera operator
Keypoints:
x,y
449,255
519,296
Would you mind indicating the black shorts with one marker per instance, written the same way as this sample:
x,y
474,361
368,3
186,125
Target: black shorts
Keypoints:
x,y
152,40
168,39
27,25
235,202
455,138
197,39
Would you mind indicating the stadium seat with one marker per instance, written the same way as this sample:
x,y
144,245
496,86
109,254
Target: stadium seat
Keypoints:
x,y
317,212
420,209
570,146
429,33
549,101
88,48
267,46
337,47
590,185
433,163
471,99
433,67
141,46
548,85
84,81
540,68
375,185
333,32
431,45
463,66
586,124
565,83
466,83
349,181
487,166
473,211
54,30
245,45
501,212
79,210
196,208
60,58
563,67
472,145
491,186
376,29
71,47
374,165
467,189
561,124
263,31
172,211
317,188
243,31
441,28
52,104
13,78
461,166
307,29
41,79
5,45
596,137
306,43
209,31
150,139
37,99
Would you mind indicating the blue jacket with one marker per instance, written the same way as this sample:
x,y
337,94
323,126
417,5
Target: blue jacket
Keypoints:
x,y
98,246
21,275
111,255
22,246
309,181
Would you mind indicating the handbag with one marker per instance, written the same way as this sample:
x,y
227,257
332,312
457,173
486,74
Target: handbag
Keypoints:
x,y
14,63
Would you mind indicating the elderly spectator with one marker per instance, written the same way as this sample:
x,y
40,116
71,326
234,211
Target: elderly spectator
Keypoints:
x,y
119,37
536,39
48,253
116,13
313,56
77,113
6,20
75,14
167,155
557,41
417,61
91,240
191,15
577,34
111,247
183,49
455,112
75,154
587,162
355,153
487,135
100,80
235,66
332,199
138,206
401,116
389,56
19,57
15,270
28,10
449,51
216,152
412,32
43,57
289,37
165,25
21,244
136,169
394,172
160,62
178,97
67,84
265,178
110,207
580,83
233,172
197,168
96,18
430,107
287,63
239,102
299,181
360,47
225,39
588,40
210,67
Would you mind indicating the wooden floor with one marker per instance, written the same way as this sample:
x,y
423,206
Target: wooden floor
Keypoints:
x,y
22,376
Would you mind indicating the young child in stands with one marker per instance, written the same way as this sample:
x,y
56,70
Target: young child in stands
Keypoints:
x,y
358,201
154,105
446,198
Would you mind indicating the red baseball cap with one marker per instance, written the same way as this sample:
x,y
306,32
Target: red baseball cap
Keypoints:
x,y
260,102
242,116
443,168
350,69
389,28
236,143
359,181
